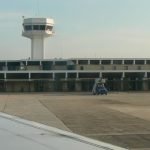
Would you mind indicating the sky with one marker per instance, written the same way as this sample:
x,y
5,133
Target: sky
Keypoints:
x,y
83,28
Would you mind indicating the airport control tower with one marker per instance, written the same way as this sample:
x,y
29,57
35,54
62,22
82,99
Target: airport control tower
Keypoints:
x,y
37,29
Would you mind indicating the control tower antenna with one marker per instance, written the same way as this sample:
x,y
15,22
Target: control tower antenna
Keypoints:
x,y
37,29
38,10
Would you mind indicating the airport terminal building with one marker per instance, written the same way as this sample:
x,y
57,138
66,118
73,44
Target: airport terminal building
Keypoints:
x,y
51,75
74,74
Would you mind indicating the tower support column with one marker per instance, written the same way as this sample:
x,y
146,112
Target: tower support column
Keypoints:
x,y
37,47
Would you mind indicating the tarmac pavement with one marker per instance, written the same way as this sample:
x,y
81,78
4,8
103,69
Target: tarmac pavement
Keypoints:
x,y
122,119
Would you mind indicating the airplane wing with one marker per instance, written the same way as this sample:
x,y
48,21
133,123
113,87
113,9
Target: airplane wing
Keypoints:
x,y
20,134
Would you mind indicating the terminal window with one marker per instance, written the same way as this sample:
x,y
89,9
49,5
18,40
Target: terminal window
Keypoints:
x,y
106,62
83,62
128,62
94,62
147,61
119,62
141,62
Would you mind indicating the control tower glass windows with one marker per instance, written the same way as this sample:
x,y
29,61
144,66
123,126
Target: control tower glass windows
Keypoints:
x,y
42,27
28,27
35,27
49,28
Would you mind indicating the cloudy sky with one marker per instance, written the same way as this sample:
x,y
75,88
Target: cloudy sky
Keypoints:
x,y
83,28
